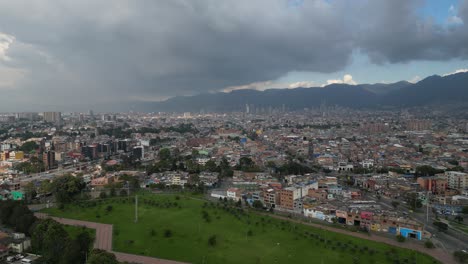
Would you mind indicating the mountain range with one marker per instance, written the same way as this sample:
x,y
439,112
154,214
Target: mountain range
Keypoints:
x,y
429,91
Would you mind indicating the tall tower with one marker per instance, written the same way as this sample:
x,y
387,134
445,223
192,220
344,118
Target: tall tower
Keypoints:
x,y
310,150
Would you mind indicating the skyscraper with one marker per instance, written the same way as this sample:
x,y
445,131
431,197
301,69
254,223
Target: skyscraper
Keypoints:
x,y
52,117
48,158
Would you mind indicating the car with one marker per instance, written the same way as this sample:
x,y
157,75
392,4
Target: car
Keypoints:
x,y
11,258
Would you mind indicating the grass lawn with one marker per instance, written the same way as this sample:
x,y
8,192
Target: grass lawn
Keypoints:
x,y
239,237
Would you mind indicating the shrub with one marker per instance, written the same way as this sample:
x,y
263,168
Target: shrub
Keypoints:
x,y
461,256
429,244
167,233
103,195
400,238
212,240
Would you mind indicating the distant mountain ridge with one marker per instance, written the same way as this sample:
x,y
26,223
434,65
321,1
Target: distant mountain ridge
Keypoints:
x,y
431,90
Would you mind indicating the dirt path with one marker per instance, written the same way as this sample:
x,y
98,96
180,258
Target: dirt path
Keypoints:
x,y
104,240
436,253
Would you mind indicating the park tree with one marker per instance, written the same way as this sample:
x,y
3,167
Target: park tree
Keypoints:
x,y
192,167
22,219
15,215
225,168
65,188
458,168
50,240
30,191
413,201
245,164
212,240
400,238
211,166
461,256
99,256
113,192
34,165
133,181
29,146
164,154
78,248
102,195
426,170
429,244
45,187
167,233
465,209
257,204
441,226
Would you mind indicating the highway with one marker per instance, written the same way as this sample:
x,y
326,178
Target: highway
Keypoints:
x,y
47,175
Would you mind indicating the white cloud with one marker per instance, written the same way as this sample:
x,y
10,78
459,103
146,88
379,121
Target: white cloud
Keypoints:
x,y
455,72
452,9
347,79
9,77
259,86
262,86
303,84
5,42
415,79
453,18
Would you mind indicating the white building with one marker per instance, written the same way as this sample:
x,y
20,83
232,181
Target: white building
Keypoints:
x,y
234,194
367,163
457,180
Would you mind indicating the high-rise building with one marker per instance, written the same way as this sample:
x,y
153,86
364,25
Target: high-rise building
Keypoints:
x,y
52,117
418,125
48,158
138,152
457,180
310,150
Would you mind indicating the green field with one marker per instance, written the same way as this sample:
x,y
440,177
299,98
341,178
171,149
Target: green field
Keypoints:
x,y
241,237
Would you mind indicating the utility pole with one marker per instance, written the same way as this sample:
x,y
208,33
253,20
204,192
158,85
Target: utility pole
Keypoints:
x,y
136,208
128,188
427,207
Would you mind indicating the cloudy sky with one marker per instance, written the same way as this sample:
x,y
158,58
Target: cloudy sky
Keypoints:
x,y
76,55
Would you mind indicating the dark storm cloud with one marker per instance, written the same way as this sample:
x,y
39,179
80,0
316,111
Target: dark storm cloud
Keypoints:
x,y
392,31
77,52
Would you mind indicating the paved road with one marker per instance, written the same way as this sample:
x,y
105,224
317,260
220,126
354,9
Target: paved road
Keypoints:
x,y
104,240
